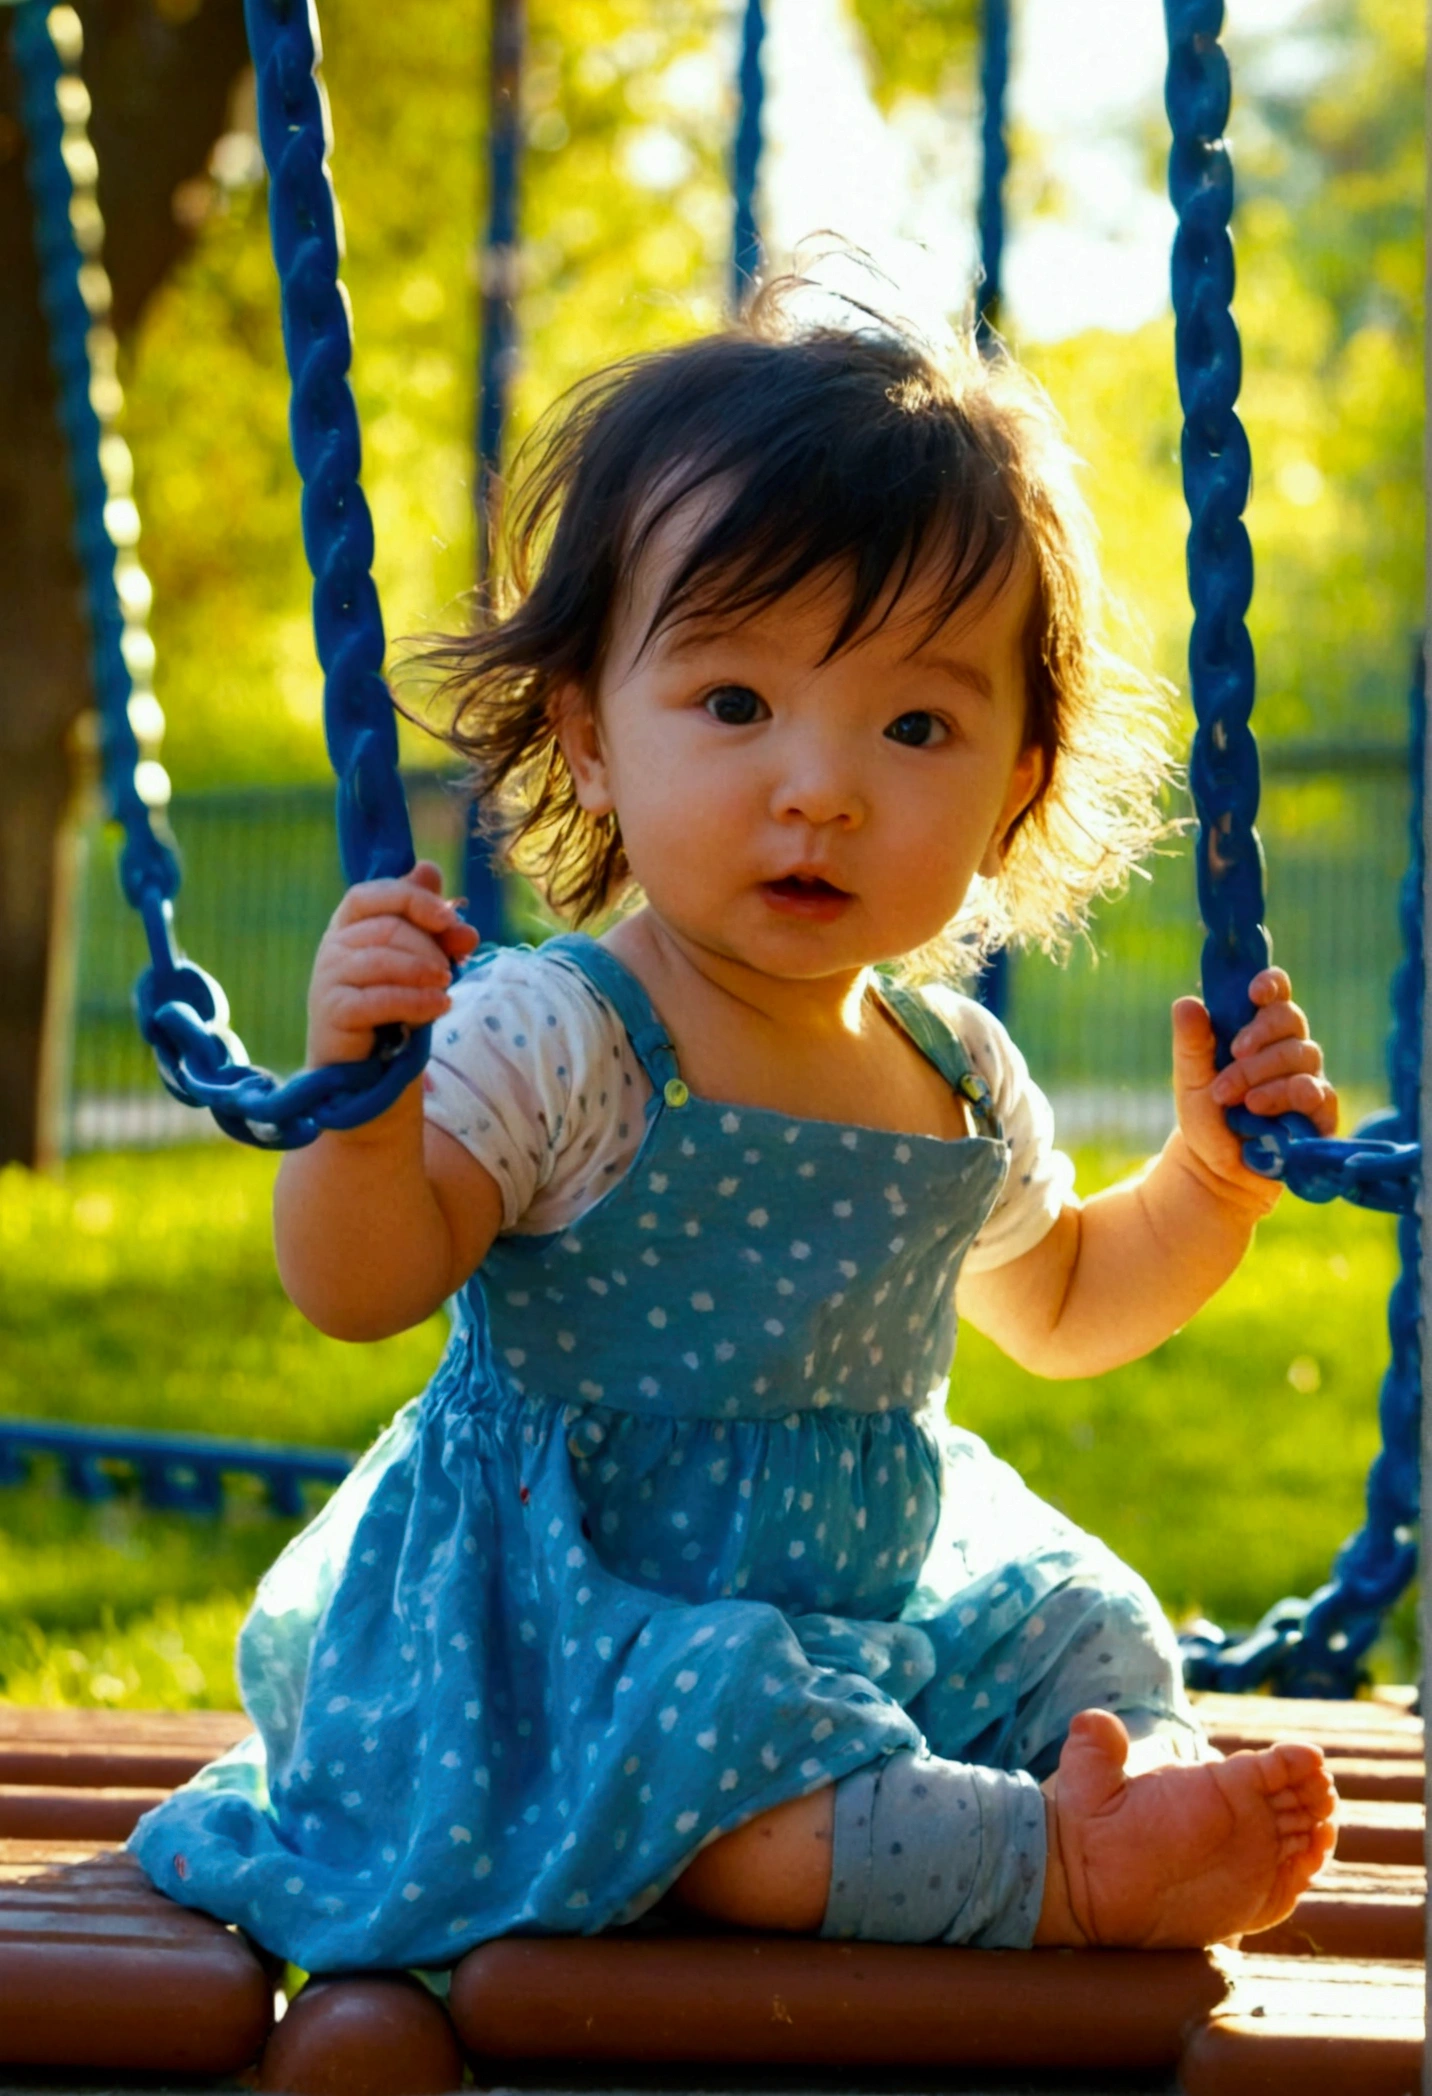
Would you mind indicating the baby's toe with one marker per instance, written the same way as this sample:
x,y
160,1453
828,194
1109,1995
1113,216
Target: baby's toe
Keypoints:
x,y
1297,1760
1291,1819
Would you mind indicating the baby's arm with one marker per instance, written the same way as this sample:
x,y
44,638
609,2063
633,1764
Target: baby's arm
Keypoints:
x,y
1115,1277
376,1226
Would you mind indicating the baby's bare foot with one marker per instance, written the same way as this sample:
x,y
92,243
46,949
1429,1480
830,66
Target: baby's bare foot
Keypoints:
x,y
1186,1854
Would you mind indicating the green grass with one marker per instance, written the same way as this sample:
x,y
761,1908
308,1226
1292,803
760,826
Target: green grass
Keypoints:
x,y
139,1290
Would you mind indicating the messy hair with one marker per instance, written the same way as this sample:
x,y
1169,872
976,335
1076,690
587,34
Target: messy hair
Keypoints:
x,y
857,452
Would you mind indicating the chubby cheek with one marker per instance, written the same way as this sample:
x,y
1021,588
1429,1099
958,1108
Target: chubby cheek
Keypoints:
x,y
926,866
678,840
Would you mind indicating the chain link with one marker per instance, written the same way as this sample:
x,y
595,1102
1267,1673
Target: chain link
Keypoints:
x,y
1315,1648
994,163
1300,1647
746,155
182,1011
1223,767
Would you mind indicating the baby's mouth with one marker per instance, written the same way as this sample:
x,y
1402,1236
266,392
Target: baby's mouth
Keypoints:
x,y
806,886
807,895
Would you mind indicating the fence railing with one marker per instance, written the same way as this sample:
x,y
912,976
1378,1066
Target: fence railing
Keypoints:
x,y
261,877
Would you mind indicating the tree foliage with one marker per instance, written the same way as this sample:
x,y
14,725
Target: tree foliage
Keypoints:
x,y
918,47
628,111
624,223
1329,306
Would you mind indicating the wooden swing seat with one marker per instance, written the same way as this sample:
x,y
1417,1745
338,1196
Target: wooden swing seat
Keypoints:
x,y
98,1971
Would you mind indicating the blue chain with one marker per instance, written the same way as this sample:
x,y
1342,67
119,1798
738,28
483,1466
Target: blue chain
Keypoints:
x,y
1314,1648
746,157
68,238
1223,770
994,161
182,1011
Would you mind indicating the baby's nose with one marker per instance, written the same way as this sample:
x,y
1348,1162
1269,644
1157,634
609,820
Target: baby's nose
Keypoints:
x,y
823,788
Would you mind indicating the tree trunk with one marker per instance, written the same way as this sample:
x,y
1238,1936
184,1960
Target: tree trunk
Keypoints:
x,y
161,74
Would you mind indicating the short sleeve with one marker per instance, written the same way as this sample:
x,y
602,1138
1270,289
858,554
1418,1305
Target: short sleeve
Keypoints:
x,y
533,1073
1040,1182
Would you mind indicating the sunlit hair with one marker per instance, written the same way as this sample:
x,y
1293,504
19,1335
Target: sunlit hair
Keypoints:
x,y
856,452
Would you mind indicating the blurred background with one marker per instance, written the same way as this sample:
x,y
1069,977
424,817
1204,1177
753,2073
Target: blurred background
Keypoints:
x,y
135,1281
871,123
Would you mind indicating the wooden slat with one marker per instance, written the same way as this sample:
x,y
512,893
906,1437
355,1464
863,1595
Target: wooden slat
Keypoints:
x,y
34,1812
1375,1831
113,1749
784,2001
368,2032
99,1970
1370,1731
1393,1779
1319,2028
209,1730
1354,1910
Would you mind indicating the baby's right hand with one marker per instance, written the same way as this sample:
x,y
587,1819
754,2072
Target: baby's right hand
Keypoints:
x,y
386,958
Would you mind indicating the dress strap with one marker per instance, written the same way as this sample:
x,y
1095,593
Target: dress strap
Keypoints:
x,y
936,1040
616,983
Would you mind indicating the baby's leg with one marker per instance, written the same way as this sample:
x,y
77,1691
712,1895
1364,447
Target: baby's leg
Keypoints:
x,y
1099,1642
1120,1848
773,1873
1158,1842
914,1849
909,1849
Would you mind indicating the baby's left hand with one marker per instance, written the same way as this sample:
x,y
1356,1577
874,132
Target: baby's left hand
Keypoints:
x,y
1276,1068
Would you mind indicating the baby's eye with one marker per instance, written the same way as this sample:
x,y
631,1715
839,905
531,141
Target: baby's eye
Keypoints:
x,y
735,705
918,731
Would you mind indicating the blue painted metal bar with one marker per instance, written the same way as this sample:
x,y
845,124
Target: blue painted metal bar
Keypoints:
x,y
182,1011
1316,1647
497,352
994,162
992,984
1223,768
174,1472
746,155
497,363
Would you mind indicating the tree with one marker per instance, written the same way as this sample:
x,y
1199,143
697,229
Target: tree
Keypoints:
x,y
624,227
1328,143
161,73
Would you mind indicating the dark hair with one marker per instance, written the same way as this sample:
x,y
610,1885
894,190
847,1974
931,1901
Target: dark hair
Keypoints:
x,y
847,450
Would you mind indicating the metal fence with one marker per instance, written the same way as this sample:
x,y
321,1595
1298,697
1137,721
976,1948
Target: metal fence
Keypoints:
x,y
261,877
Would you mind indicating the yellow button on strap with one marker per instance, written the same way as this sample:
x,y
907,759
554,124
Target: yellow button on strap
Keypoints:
x,y
674,1092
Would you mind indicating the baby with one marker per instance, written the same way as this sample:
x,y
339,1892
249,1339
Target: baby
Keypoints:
x,y
676,1580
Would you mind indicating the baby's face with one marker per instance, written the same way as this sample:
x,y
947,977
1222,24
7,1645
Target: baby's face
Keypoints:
x,y
806,817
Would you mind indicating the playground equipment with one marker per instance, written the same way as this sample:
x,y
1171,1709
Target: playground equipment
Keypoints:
x,y
1313,1647
98,1971
789,2004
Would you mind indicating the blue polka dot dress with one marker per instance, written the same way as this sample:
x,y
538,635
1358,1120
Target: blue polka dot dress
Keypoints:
x,y
677,1533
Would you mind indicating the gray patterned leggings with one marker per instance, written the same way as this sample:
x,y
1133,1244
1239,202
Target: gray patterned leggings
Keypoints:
x,y
931,1850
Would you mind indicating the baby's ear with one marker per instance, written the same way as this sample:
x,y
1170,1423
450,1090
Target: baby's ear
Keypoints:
x,y
574,723
1025,783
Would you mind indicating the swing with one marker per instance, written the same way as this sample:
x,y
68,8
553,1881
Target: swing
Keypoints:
x,y
695,2000
1300,1647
